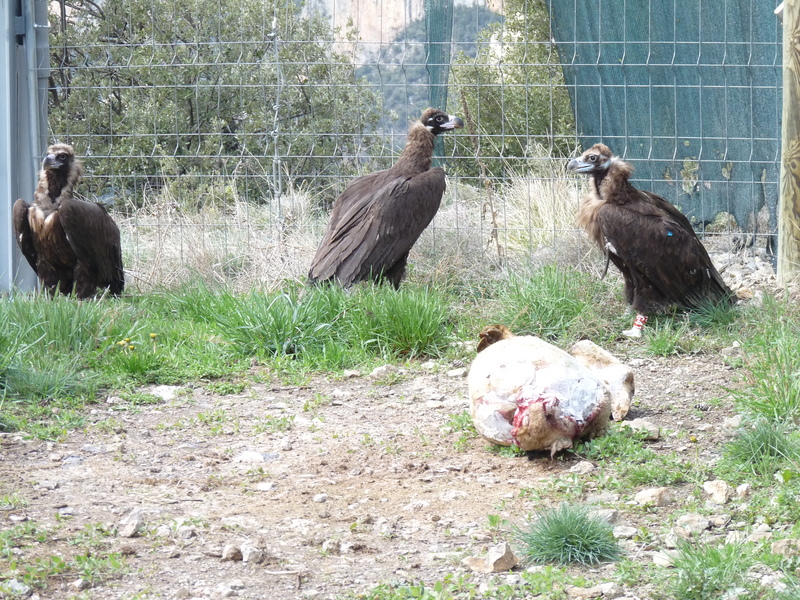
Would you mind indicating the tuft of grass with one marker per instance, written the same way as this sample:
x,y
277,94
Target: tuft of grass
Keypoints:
x,y
704,571
406,323
668,338
763,448
567,535
552,303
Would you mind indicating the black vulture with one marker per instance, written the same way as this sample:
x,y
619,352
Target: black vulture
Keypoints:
x,y
378,218
650,241
72,245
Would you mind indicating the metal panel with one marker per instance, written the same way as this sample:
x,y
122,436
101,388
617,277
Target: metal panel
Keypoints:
x,y
688,91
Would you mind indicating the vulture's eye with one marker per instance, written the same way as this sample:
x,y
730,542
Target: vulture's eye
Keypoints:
x,y
592,158
61,156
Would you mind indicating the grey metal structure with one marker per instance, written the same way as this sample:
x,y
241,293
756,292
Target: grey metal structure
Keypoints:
x,y
24,69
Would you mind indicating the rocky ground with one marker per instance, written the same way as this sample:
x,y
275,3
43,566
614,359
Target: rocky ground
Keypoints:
x,y
330,487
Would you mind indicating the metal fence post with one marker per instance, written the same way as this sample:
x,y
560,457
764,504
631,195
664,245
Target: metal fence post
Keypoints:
x,y
24,64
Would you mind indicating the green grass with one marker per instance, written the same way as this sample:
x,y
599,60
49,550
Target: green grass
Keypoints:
x,y
566,535
705,571
762,449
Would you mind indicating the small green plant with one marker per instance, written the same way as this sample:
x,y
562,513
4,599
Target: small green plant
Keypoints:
x,y
225,388
567,535
667,338
273,424
12,501
762,448
461,422
317,399
511,451
706,571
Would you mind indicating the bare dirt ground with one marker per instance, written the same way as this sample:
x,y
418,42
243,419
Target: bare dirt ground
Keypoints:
x,y
328,488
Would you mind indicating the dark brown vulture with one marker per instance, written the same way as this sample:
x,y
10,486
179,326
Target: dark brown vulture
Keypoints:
x,y
379,217
650,241
69,243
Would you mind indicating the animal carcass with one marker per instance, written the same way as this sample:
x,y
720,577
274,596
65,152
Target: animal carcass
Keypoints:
x,y
529,393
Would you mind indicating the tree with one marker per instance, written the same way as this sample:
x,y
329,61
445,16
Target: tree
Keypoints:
x,y
156,89
512,93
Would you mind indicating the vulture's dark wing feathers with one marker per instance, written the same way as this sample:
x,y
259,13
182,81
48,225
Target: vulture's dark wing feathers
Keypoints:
x,y
22,230
681,272
374,224
95,239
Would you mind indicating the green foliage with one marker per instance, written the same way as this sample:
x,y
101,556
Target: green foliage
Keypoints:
x,y
398,68
763,448
512,94
666,337
703,572
544,585
408,323
172,91
551,303
637,465
771,387
567,535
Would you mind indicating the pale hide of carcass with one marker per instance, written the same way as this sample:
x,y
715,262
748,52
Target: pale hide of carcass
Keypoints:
x,y
526,392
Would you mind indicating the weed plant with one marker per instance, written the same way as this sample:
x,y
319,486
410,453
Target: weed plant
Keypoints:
x,y
567,535
704,571
762,449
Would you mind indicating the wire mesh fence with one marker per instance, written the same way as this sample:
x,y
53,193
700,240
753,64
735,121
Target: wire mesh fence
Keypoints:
x,y
220,131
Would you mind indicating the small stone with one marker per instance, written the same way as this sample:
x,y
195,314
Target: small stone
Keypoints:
x,y
265,486
253,456
351,373
582,468
183,593
223,590
743,491
382,371
693,523
251,554
604,590
320,498
787,547
654,497
132,524
651,430
231,552
186,532
719,491
80,584
498,559
15,588
622,532
456,373
665,558
610,515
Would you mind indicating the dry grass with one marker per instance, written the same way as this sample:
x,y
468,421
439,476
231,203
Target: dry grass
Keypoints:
x,y
479,233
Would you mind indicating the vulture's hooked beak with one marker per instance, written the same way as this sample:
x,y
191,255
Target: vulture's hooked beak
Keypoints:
x,y
453,123
580,166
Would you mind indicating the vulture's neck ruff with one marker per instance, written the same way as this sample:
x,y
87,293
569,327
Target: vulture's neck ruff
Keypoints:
x,y
417,155
610,178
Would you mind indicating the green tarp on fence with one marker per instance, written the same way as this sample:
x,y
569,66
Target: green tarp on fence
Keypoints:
x,y
687,90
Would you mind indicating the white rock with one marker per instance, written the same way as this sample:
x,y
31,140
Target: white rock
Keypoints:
x,y
265,486
623,532
743,491
786,547
582,468
651,430
80,584
693,523
610,515
654,497
165,392
664,558
351,373
320,498
719,491
498,559
456,373
382,371
251,554
231,552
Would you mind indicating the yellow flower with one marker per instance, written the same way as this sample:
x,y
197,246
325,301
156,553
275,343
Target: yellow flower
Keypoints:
x,y
131,347
152,336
